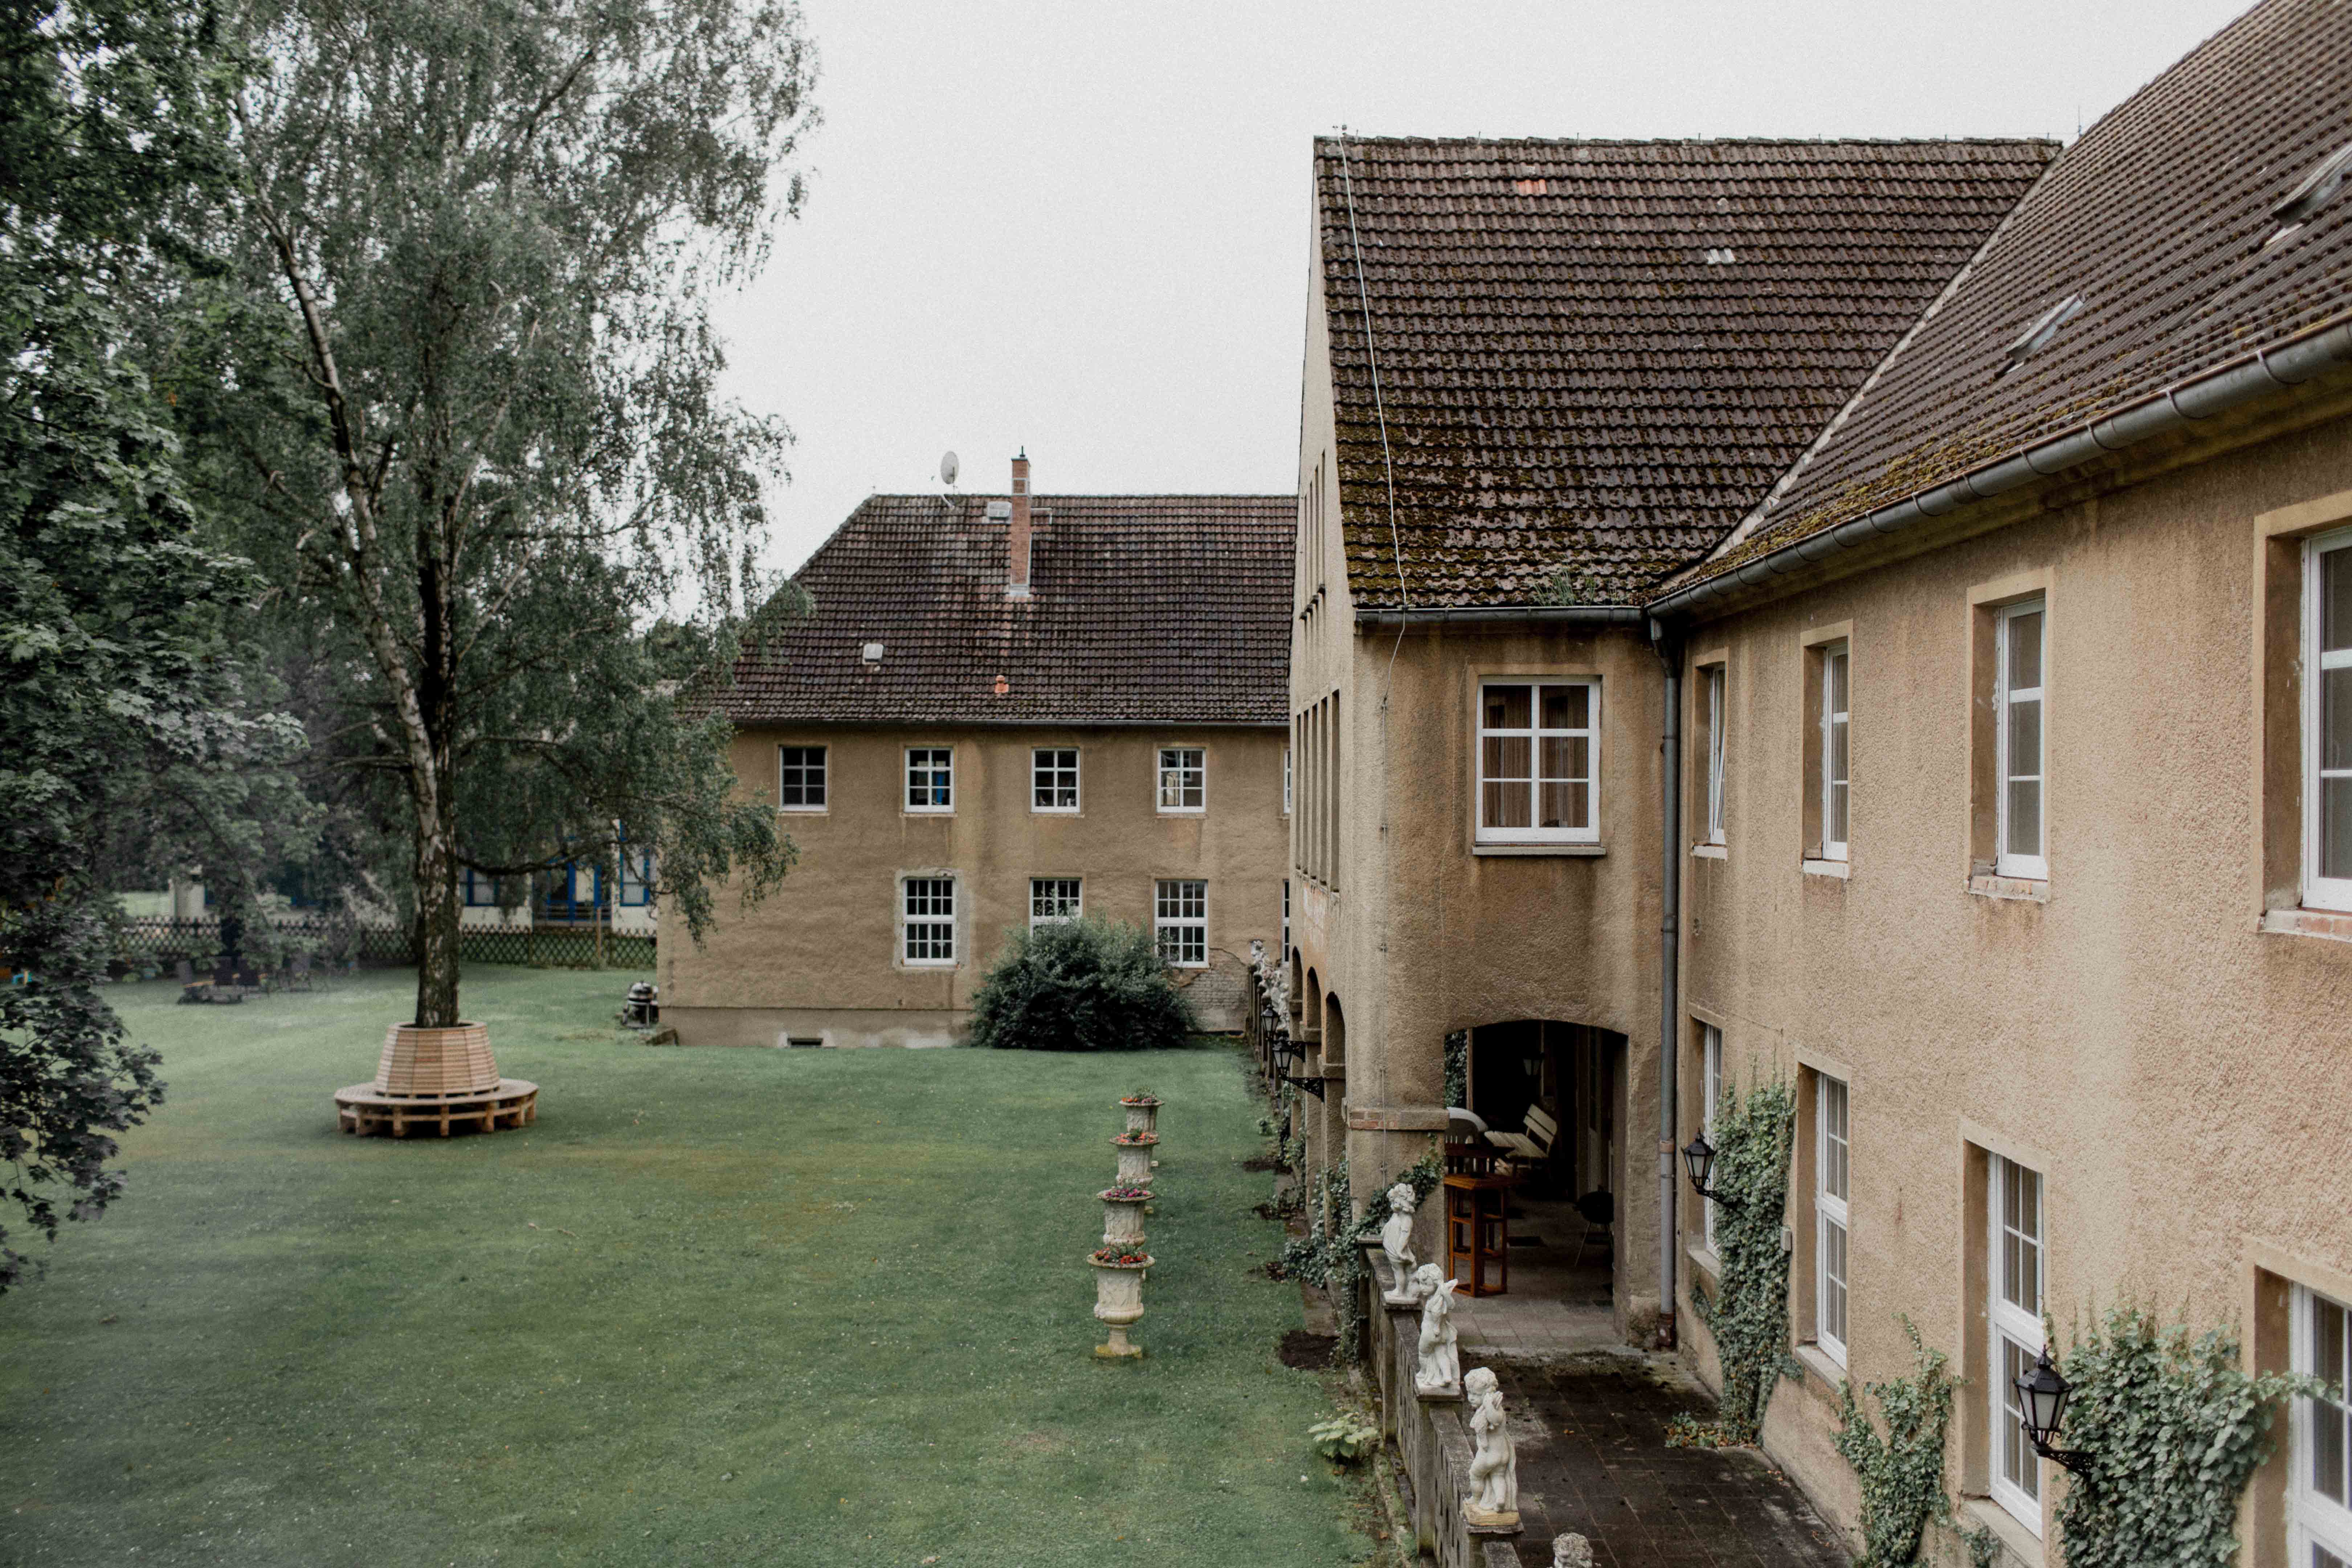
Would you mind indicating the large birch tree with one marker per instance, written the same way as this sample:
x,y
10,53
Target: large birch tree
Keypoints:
x,y
461,403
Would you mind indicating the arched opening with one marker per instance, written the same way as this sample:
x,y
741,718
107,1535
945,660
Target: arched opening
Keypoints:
x,y
1335,1033
1548,1103
1310,1019
1297,986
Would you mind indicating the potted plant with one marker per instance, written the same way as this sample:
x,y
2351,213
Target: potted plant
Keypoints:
x,y
1118,1295
1134,1157
1123,1210
1142,1110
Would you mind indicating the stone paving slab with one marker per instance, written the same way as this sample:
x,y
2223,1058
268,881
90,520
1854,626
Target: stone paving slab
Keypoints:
x,y
1591,1432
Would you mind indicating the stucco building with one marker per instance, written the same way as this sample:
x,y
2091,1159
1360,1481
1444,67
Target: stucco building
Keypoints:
x,y
1003,711
1987,714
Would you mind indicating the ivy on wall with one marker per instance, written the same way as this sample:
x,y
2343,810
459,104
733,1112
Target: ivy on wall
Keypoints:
x,y
1332,1253
1902,1473
2173,1429
1748,1313
1457,1069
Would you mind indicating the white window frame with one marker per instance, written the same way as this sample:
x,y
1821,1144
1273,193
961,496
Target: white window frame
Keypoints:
x,y
2035,866
2318,891
1710,1074
1536,734
823,779
933,767
2015,1323
1714,677
1285,780
1285,918
1076,887
931,921
480,890
1039,769
1198,767
1836,658
2316,1522
1180,923
1832,1171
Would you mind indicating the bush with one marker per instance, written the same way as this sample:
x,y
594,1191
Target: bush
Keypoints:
x,y
1079,986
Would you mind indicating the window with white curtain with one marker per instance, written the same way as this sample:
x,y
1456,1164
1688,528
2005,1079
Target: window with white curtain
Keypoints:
x,y
1180,919
1710,1067
1054,779
1836,792
929,922
1538,754
1713,679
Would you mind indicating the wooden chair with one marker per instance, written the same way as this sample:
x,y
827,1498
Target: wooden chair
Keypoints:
x,y
1477,1218
1534,1146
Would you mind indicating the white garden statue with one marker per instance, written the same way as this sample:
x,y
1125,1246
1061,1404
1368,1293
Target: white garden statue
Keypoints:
x,y
1440,1373
1493,1500
1396,1240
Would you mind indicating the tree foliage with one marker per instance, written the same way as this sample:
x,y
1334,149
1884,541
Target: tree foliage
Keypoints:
x,y
1748,1313
460,404
1087,984
2173,1428
122,698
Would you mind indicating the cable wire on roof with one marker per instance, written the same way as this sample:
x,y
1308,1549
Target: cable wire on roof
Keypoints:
x,y
1373,358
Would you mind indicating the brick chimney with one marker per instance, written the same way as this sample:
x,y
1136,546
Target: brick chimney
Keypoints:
x,y
1016,545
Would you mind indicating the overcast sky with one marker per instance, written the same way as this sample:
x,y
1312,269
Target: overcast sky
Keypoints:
x,y
1082,227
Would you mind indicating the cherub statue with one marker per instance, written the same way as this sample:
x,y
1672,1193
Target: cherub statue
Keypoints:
x,y
1396,1240
1440,1375
1493,1501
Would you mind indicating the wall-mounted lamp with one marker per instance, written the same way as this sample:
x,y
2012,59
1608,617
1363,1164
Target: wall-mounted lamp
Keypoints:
x,y
2041,1401
1698,1158
1285,1053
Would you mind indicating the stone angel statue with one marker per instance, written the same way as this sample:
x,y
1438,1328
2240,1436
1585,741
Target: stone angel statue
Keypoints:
x,y
1396,1240
1493,1500
1440,1375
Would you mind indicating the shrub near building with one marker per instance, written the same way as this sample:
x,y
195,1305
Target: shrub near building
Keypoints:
x,y
1083,984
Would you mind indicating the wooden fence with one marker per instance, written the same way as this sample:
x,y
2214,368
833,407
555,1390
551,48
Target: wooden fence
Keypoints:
x,y
152,942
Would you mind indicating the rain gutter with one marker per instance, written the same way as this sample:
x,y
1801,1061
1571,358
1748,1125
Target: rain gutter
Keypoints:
x,y
2243,381
1504,615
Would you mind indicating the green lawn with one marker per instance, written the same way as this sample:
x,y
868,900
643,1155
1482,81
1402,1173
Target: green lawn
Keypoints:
x,y
717,1306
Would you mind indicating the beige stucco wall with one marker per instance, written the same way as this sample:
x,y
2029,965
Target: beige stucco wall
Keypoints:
x,y
2183,1082
1422,936
822,956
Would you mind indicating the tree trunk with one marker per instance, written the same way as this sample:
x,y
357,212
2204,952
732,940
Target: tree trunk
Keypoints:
x,y
438,916
433,781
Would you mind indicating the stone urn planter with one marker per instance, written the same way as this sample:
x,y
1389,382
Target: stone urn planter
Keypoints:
x,y
1123,1210
1135,1157
1142,1110
1118,1297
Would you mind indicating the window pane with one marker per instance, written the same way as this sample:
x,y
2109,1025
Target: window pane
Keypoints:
x,y
1503,805
2025,738
2323,1558
1565,757
1566,707
1563,805
2025,816
1506,756
1507,708
2328,1416
2336,599
1836,831
2025,651
2335,827
1837,682
1834,1280
1838,753
2335,713
2017,1464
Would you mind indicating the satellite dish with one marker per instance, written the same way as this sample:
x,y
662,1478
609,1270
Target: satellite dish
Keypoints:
x,y
948,469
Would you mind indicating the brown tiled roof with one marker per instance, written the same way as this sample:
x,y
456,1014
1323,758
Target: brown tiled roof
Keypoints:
x,y
2157,218
1570,380
1143,609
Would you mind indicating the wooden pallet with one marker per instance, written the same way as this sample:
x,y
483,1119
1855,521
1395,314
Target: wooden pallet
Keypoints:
x,y
363,1108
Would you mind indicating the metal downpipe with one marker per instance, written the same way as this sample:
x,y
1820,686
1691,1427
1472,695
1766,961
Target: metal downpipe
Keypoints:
x,y
1669,650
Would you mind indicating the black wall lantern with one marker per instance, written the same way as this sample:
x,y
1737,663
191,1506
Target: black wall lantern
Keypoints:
x,y
1698,1158
2042,1404
1285,1053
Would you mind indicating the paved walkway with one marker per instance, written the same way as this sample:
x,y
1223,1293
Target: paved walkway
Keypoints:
x,y
1592,1431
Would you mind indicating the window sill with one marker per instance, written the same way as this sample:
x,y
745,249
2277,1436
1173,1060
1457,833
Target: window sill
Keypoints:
x,y
1984,885
1841,869
1582,851
1703,1260
2331,925
2019,1544
1819,1362
929,811
801,811
1711,851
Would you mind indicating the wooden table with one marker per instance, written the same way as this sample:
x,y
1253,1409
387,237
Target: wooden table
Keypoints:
x,y
1478,1231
